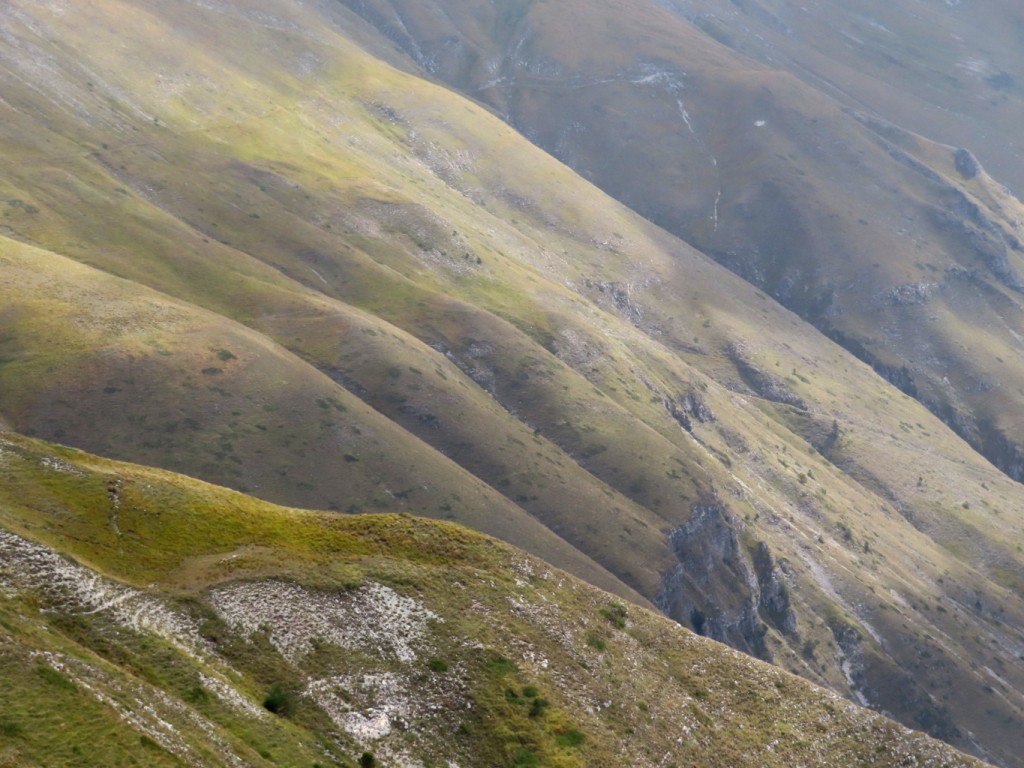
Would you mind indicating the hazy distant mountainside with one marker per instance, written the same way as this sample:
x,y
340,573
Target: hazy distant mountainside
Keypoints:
x,y
238,244
779,138
951,71
149,619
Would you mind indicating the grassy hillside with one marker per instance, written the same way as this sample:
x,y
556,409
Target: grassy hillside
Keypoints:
x,y
272,261
130,372
148,619
766,135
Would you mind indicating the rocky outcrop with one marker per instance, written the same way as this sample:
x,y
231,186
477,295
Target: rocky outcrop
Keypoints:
x,y
687,408
958,217
975,233
1001,450
912,294
719,589
763,383
773,603
618,298
966,163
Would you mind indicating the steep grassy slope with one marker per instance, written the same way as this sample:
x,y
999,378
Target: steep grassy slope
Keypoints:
x,y
130,372
145,617
903,250
368,293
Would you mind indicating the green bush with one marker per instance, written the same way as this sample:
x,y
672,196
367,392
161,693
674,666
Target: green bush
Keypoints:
x,y
279,701
570,739
615,613
538,706
808,650
10,729
526,758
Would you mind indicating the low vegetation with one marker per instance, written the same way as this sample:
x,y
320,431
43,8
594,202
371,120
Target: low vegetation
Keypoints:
x,y
118,650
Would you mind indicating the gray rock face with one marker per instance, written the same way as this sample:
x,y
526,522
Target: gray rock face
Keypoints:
x,y
773,602
967,164
721,590
687,408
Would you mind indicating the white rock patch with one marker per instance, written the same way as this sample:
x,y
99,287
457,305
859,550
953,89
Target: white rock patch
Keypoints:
x,y
389,692
373,618
26,565
232,697
59,465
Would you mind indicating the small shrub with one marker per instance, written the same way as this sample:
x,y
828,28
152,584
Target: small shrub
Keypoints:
x,y
197,694
279,701
845,530
526,758
615,613
367,760
10,729
438,665
531,692
501,665
538,707
570,739
594,641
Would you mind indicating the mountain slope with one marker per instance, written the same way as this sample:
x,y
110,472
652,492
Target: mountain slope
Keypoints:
x,y
948,71
789,167
134,373
144,616
427,313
